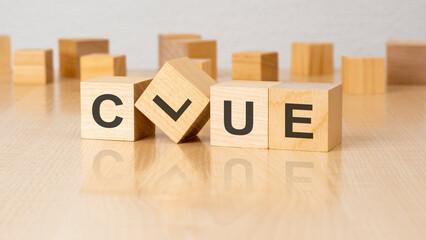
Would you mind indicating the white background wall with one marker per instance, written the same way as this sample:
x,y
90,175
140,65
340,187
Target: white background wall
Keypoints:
x,y
355,26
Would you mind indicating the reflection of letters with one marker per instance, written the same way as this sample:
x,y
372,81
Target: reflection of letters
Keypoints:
x,y
227,118
174,171
96,167
290,178
248,170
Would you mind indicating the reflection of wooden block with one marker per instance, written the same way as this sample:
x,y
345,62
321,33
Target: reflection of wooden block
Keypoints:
x,y
166,50
239,114
312,59
70,51
100,65
363,75
204,63
255,65
178,99
406,62
305,116
108,111
33,66
5,54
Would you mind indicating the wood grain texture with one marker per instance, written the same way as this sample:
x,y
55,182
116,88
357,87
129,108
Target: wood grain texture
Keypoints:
x,y
100,65
204,63
33,66
178,81
255,65
5,55
133,125
308,59
363,75
406,62
239,93
55,185
71,49
166,50
324,115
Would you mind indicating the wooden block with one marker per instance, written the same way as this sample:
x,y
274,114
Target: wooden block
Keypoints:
x,y
309,59
178,99
70,51
305,116
406,62
239,114
166,50
100,65
34,66
108,111
363,75
255,65
5,65
204,63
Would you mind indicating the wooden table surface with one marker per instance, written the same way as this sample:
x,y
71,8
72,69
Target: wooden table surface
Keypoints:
x,y
55,185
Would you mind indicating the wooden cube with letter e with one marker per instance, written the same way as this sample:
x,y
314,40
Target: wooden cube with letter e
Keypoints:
x,y
305,116
239,114
178,99
108,111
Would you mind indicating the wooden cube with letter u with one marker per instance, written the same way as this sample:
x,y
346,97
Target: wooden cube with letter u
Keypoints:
x,y
108,111
239,114
178,99
305,116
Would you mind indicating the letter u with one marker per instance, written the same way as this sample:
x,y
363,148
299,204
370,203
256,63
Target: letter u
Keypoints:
x,y
227,115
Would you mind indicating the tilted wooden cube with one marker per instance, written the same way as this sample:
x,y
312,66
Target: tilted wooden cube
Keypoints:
x,y
178,99
166,50
108,111
100,65
239,114
204,63
70,51
363,75
5,62
406,62
33,66
309,59
305,116
255,65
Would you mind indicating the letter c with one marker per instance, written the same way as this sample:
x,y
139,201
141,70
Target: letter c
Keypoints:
x,y
96,111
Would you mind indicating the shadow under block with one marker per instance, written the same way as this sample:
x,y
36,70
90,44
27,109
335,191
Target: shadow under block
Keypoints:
x,y
178,99
363,75
108,111
308,59
239,114
166,50
33,66
5,62
406,62
100,65
204,63
305,116
255,65
70,51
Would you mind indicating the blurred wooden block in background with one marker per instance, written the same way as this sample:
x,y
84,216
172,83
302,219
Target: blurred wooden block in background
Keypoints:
x,y
5,53
305,116
239,114
178,99
33,66
100,65
363,75
166,50
108,111
204,63
309,59
70,51
406,62
255,65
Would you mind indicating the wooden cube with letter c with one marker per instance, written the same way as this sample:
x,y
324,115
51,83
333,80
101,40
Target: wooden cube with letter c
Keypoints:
x,y
239,114
305,116
108,111
178,99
